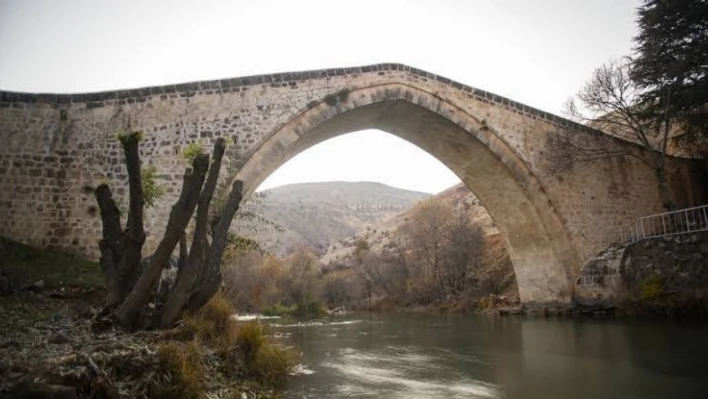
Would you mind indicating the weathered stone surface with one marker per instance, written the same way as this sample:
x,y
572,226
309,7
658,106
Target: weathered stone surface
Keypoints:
x,y
54,150
679,262
600,282
5,288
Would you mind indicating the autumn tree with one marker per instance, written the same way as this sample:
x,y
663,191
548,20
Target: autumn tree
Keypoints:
x,y
465,253
129,285
303,285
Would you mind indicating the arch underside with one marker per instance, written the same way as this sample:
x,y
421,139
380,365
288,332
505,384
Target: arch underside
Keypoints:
x,y
543,258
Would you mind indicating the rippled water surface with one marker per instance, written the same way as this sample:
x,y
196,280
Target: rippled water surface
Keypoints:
x,y
436,356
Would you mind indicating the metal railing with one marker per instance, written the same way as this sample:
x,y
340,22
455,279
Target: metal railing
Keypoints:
x,y
663,224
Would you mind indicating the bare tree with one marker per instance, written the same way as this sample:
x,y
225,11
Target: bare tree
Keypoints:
x,y
464,254
428,232
128,286
611,102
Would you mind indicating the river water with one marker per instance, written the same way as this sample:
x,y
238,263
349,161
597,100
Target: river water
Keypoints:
x,y
454,356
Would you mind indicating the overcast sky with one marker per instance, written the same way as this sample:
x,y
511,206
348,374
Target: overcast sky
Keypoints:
x,y
537,52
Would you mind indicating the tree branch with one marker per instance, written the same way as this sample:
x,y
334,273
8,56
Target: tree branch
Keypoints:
x,y
180,215
197,253
134,238
212,278
110,244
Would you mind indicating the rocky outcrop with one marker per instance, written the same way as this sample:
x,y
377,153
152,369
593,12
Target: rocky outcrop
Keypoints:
x,y
672,264
600,282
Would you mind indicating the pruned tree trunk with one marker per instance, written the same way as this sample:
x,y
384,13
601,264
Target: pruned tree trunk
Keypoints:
x,y
211,279
198,253
128,288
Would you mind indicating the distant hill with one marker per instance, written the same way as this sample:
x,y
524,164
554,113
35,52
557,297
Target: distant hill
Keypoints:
x,y
378,235
318,215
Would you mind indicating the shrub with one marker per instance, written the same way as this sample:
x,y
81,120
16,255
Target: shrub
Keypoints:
x,y
181,370
151,190
192,151
212,324
243,349
272,365
485,303
218,311
310,310
278,309
650,288
264,361
249,340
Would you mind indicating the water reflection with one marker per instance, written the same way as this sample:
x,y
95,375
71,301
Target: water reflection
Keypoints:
x,y
432,356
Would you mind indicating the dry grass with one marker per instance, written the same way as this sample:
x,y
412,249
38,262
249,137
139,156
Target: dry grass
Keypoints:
x,y
272,365
250,340
244,350
212,324
182,374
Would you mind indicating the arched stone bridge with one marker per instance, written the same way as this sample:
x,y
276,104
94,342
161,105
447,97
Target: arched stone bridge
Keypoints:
x,y
55,147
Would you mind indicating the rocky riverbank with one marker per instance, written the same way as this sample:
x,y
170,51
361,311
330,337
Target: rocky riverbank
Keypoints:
x,y
54,345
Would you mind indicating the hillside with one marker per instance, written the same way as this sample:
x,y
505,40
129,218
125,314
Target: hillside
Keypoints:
x,y
379,234
320,214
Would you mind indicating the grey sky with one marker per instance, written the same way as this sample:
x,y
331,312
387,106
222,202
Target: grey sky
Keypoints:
x,y
537,52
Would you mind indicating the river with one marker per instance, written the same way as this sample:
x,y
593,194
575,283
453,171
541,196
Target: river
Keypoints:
x,y
455,356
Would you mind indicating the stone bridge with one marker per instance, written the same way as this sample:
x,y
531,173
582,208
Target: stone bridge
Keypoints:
x,y
56,147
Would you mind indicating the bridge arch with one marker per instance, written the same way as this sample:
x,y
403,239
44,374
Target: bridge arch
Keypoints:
x,y
543,257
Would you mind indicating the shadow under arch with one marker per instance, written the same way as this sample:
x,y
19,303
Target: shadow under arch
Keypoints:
x,y
544,260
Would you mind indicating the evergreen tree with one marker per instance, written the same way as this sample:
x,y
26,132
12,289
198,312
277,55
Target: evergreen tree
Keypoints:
x,y
671,64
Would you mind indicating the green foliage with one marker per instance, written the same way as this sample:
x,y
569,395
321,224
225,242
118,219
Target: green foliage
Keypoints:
x,y
125,137
309,310
151,190
192,151
650,288
278,309
670,61
306,310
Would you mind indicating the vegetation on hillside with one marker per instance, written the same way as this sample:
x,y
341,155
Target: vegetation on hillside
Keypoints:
x,y
317,215
437,257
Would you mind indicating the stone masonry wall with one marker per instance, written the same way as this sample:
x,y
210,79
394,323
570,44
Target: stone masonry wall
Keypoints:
x,y
56,147
679,263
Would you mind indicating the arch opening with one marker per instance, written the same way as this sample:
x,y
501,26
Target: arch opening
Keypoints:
x,y
542,256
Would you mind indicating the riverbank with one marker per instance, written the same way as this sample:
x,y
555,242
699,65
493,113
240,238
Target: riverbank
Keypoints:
x,y
691,306
485,305
53,345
